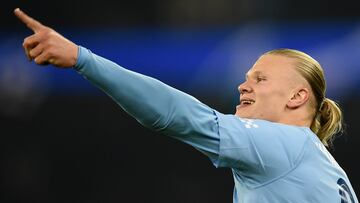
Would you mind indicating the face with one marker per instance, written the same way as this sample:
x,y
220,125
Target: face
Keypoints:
x,y
268,87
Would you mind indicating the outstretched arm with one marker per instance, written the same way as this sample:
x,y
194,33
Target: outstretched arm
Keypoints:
x,y
151,102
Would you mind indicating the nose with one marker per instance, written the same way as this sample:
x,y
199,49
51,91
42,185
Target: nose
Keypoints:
x,y
244,88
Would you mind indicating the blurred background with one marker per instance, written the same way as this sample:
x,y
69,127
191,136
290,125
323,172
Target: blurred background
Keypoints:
x,y
63,140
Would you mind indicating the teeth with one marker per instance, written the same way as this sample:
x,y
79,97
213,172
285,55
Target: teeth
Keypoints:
x,y
247,102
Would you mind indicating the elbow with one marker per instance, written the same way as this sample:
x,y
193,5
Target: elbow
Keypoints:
x,y
156,122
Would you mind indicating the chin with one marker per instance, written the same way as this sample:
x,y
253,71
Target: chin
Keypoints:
x,y
244,112
242,115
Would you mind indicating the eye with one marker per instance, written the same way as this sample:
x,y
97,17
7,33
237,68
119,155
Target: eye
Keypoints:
x,y
260,78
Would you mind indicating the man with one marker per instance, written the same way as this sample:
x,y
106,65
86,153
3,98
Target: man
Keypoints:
x,y
275,142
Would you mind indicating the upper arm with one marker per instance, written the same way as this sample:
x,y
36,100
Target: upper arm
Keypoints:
x,y
192,122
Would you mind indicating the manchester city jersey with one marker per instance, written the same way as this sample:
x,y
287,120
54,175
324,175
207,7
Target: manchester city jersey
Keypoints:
x,y
270,162
273,162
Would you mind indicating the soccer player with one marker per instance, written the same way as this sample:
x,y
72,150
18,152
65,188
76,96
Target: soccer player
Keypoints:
x,y
275,143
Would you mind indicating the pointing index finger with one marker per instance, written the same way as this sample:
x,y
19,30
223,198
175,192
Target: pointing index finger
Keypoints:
x,y
31,23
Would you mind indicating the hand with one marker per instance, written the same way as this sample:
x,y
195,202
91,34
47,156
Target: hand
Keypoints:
x,y
46,46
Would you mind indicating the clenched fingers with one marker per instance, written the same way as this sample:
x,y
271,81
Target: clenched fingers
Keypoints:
x,y
43,58
29,43
36,51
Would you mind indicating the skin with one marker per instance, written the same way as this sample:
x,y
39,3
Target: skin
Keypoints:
x,y
280,93
46,46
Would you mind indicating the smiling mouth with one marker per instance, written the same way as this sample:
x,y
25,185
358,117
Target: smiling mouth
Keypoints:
x,y
246,102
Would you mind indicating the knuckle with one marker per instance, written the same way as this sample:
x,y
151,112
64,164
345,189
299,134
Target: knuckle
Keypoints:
x,y
45,46
41,59
47,32
47,55
44,34
48,38
45,28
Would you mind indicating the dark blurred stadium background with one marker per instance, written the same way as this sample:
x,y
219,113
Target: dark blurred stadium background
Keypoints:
x,y
62,140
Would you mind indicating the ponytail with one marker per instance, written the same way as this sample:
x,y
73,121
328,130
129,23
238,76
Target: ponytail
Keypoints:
x,y
328,121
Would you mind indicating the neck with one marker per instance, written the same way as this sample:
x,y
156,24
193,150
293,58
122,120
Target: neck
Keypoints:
x,y
297,122
297,117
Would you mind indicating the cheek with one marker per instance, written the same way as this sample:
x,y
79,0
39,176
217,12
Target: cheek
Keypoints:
x,y
267,110
271,102
273,94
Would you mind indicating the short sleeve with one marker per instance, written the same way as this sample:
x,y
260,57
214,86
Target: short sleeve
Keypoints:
x,y
254,148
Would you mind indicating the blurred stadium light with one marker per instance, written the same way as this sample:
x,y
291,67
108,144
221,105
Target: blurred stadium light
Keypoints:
x,y
195,59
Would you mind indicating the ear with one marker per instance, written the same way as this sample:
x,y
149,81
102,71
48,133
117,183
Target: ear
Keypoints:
x,y
299,97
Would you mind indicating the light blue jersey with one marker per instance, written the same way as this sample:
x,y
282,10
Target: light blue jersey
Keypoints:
x,y
270,162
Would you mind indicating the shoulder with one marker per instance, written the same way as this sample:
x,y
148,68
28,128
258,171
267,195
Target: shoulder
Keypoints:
x,y
260,145
258,129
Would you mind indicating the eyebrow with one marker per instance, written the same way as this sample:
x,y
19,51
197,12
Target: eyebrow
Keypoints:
x,y
257,72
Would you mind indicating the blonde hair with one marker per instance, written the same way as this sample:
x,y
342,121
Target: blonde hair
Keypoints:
x,y
328,119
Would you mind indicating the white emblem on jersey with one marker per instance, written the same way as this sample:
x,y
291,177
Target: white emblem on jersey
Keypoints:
x,y
248,123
